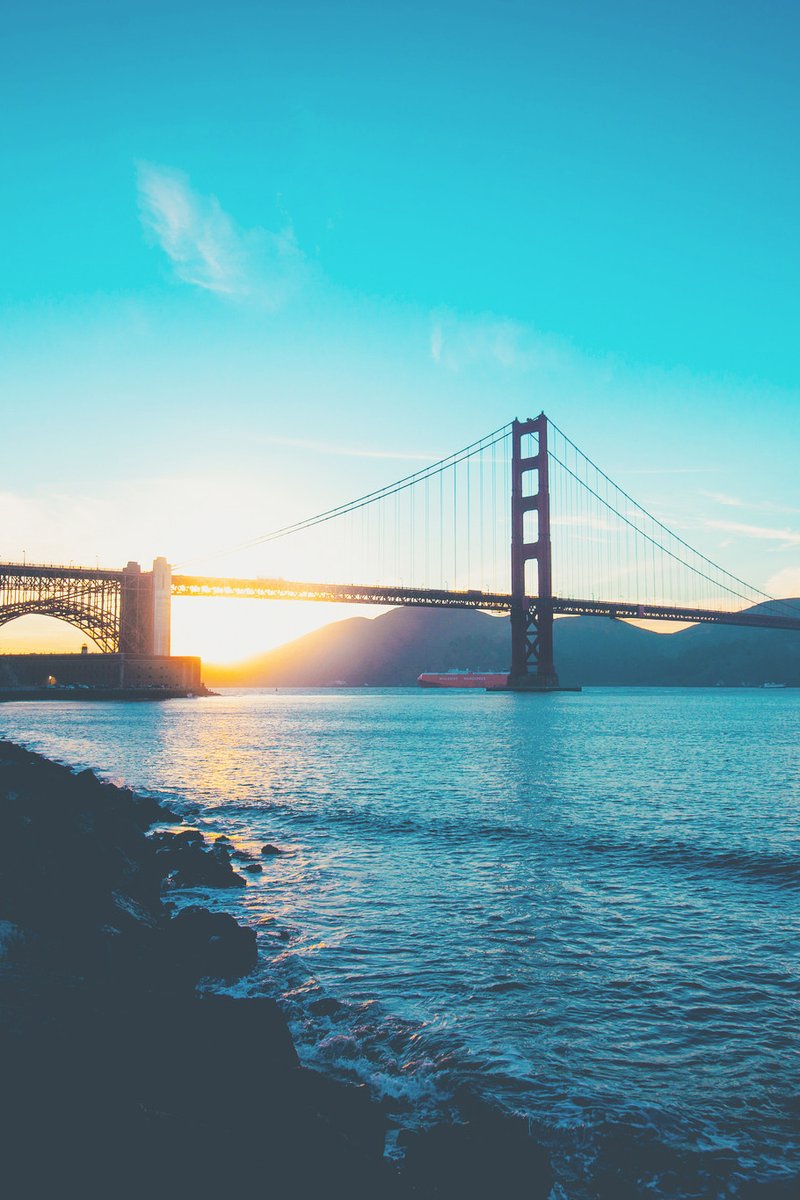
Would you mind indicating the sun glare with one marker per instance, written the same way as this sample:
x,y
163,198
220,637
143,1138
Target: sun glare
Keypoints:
x,y
219,630
227,630
32,635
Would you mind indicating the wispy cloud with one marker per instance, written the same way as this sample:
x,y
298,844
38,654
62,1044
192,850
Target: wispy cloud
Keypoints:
x,y
205,247
672,471
38,527
583,522
127,518
350,451
753,505
785,582
459,342
721,498
786,537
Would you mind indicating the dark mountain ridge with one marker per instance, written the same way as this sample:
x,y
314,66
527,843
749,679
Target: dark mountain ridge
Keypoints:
x,y
393,649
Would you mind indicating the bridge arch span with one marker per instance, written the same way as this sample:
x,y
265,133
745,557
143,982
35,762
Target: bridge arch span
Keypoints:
x,y
88,600
102,632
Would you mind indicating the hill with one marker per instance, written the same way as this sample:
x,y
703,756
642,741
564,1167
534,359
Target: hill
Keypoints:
x,y
396,647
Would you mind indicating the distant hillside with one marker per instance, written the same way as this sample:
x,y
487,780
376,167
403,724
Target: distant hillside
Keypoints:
x,y
396,647
392,649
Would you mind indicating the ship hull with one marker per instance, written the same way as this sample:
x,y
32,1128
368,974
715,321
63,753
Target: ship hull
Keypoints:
x,y
466,680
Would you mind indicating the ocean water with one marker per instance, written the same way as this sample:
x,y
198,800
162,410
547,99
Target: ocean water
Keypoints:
x,y
582,907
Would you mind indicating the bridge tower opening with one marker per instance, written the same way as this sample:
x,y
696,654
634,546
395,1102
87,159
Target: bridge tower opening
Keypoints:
x,y
532,662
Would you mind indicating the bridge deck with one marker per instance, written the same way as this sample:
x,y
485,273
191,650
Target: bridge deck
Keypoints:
x,y
25,574
354,593
54,571
337,593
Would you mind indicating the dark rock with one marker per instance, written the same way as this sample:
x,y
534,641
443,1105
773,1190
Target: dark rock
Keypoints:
x,y
68,846
190,1050
633,1162
346,1107
252,1031
185,862
188,837
269,849
150,812
117,1078
491,1155
254,869
87,778
325,1007
200,943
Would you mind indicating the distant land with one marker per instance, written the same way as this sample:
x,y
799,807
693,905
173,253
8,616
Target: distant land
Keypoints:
x,y
393,649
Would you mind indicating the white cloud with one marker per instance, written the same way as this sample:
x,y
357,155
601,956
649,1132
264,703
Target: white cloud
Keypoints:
x,y
787,537
582,522
350,451
785,583
728,501
462,342
672,471
760,505
124,519
205,247
43,525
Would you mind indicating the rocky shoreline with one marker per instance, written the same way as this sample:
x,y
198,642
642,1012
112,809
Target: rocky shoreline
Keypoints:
x,y
122,1076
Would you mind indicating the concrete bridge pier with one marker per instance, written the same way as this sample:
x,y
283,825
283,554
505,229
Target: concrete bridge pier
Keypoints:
x,y
144,611
162,606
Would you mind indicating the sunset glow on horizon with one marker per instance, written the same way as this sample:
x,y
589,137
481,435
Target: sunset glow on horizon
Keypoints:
x,y
220,631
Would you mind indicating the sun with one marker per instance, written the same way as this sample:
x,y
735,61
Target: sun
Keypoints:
x,y
224,630
217,629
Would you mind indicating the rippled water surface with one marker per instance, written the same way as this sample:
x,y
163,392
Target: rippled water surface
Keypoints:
x,y
586,905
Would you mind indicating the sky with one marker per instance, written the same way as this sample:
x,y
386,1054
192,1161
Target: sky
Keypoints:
x,y
256,259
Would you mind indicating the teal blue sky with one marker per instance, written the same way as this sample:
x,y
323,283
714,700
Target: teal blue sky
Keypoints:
x,y
256,258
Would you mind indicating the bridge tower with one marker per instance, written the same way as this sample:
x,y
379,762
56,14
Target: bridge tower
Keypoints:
x,y
144,609
162,606
136,611
532,665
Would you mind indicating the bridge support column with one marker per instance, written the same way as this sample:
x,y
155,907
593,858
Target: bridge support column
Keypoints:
x,y
162,606
532,663
144,609
136,611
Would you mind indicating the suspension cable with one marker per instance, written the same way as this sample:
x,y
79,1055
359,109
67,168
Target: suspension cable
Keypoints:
x,y
655,520
658,545
437,468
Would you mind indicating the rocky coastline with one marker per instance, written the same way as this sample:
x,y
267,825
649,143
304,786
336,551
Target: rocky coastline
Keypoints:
x,y
122,1075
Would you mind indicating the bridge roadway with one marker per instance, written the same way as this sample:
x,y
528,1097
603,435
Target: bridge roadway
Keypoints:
x,y
355,593
27,575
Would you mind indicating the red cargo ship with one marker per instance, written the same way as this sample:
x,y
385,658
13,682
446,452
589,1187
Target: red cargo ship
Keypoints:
x,y
462,679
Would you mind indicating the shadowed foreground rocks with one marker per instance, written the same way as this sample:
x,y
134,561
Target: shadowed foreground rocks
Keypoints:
x,y
118,1078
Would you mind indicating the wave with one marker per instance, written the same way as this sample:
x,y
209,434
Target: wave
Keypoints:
x,y
425,1074
751,865
754,865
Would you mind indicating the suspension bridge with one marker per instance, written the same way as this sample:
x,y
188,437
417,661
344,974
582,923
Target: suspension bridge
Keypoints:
x,y
520,522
